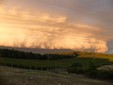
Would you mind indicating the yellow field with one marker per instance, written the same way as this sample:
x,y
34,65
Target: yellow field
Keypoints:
x,y
97,55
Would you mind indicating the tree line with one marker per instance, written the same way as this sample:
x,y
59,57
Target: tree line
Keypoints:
x,y
11,53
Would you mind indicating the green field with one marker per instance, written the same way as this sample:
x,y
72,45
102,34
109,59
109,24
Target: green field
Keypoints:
x,y
62,63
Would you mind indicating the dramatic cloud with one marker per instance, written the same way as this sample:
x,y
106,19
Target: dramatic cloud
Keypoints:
x,y
77,25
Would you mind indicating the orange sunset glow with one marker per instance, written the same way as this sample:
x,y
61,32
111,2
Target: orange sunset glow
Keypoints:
x,y
30,25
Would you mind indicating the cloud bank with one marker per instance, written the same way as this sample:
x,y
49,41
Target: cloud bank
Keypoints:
x,y
76,28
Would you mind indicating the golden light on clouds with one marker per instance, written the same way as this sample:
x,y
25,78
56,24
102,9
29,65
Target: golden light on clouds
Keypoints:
x,y
23,28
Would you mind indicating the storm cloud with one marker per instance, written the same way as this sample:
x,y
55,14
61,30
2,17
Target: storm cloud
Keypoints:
x,y
67,24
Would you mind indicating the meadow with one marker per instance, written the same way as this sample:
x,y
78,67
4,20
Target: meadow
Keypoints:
x,y
62,63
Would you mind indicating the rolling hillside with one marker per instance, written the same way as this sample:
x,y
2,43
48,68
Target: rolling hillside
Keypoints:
x,y
12,76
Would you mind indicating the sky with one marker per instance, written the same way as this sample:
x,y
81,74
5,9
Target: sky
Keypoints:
x,y
84,25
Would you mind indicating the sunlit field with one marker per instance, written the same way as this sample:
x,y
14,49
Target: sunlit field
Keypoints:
x,y
97,55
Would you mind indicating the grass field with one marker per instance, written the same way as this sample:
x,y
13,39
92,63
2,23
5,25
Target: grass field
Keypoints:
x,y
12,76
96,55
63,63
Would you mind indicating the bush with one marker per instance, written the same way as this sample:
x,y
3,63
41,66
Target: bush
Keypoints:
x,y
76,68
91,71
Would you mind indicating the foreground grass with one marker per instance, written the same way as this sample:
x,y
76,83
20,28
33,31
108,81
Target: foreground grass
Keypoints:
x,y
12,76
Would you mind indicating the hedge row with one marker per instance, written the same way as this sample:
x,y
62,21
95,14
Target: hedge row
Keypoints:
x,y
27,67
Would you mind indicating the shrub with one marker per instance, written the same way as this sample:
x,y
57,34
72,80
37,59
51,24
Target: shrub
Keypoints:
x,y
76,68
